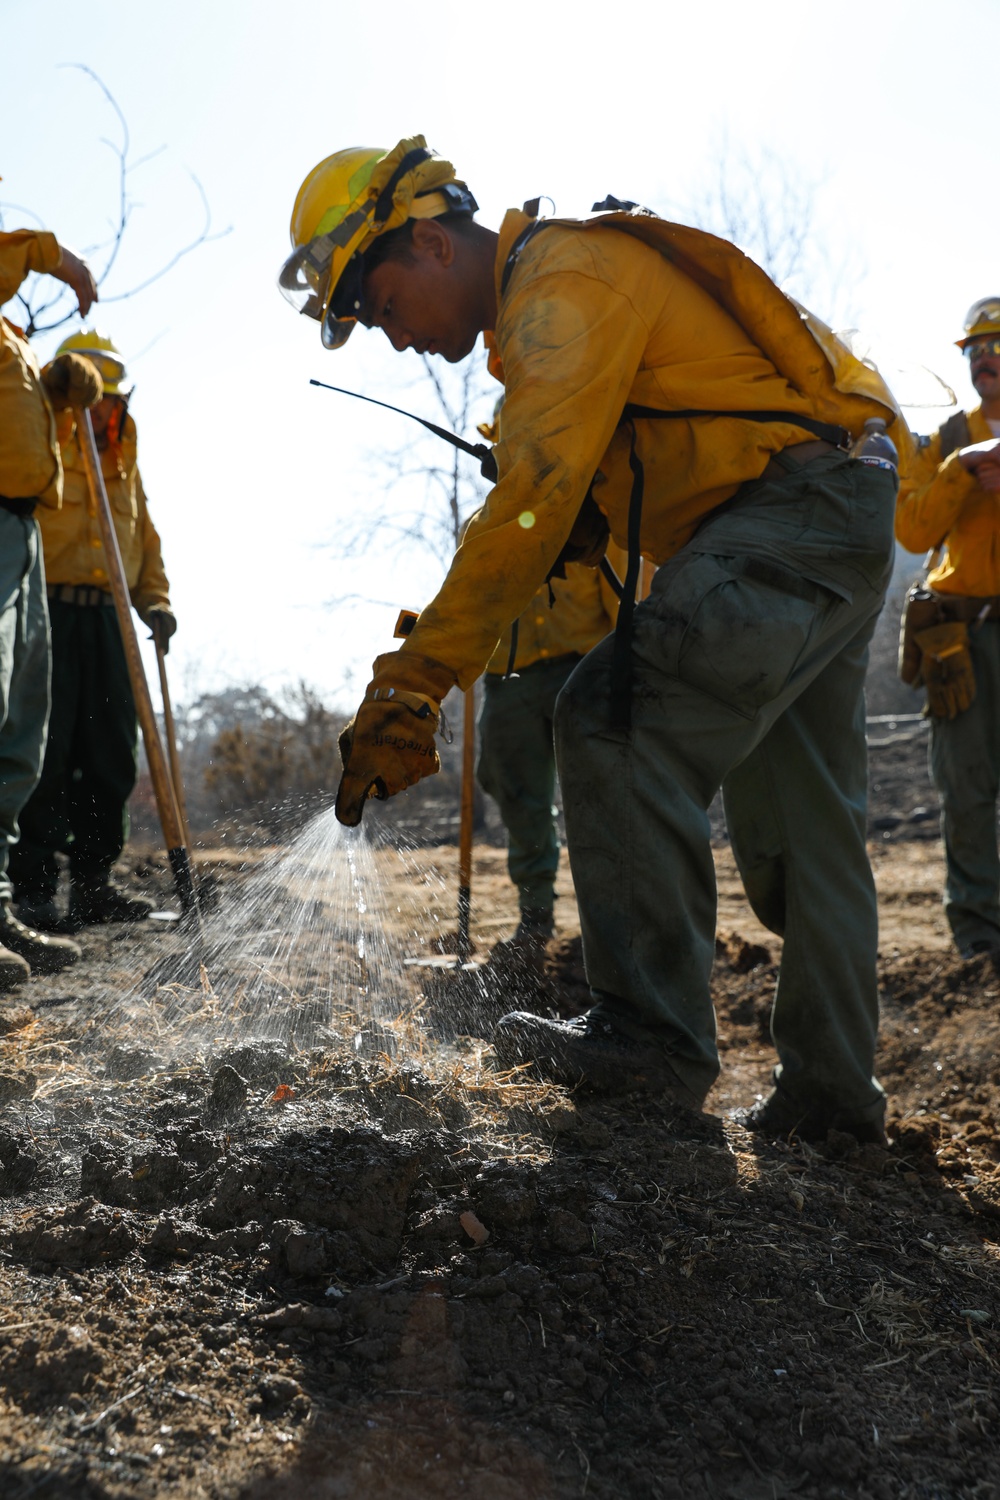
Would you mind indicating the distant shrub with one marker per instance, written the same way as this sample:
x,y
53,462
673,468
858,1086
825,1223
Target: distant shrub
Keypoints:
x,y
278,763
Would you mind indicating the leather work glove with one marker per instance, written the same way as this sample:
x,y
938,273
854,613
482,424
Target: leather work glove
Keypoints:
x,y
72,380
389,744
946,667
163,623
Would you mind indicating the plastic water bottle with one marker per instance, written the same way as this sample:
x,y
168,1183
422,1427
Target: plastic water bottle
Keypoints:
x,y
876,448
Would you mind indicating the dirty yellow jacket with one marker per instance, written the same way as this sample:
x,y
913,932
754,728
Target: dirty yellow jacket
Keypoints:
x,y
593,317
71,536
29,451
581,610
942,502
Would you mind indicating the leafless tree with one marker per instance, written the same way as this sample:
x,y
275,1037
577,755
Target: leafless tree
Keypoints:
x,y
36,296
768,206
452,486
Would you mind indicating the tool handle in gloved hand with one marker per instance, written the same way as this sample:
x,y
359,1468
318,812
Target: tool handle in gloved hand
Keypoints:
x,y
72,380
162,626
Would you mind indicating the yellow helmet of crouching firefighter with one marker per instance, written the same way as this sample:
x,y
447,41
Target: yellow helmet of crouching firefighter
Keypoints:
x,y
344,204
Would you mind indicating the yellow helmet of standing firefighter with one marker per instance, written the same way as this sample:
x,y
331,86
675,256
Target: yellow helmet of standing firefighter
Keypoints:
x,y
981,321
342,206
102,353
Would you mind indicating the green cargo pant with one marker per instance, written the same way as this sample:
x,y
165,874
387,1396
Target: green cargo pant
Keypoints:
x,y
24,675
79,805
748,669
517,767
965,767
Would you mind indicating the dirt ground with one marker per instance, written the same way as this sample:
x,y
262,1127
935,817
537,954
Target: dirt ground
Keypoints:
x,y
343,1256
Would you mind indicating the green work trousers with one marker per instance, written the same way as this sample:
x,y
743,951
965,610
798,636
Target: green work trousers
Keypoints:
x,y
517,767
24,675
748,664
79,805
965,767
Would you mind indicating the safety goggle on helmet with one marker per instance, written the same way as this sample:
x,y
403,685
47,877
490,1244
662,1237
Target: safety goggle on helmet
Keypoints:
x,y
982,322
344,204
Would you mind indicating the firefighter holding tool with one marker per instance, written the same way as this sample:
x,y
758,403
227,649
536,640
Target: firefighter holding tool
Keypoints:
x,y
658,388
79,806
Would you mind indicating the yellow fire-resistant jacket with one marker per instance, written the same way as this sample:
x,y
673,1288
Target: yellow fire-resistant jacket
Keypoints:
x,y
942,502
584,611
630,308
29,451
71,536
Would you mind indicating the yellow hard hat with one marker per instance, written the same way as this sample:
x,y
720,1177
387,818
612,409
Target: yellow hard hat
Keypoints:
x,y
342,206
101,352
981,321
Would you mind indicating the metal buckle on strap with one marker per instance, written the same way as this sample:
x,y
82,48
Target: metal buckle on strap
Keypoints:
x,y
418,703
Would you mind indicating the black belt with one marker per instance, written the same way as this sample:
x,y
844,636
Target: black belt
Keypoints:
x,y
801,454
19,507
71,593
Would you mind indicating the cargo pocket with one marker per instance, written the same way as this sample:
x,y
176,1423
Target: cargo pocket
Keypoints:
x,y
737,628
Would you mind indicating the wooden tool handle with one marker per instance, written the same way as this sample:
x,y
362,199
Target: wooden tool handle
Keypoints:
x,y
166,803
177,780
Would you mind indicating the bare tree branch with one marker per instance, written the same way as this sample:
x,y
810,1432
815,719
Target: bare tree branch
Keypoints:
x,y
203,238
453,490
768,206
122,154
35,309
20,208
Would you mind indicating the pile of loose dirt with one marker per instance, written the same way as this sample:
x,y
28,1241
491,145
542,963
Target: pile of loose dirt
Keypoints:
x,y
264,1270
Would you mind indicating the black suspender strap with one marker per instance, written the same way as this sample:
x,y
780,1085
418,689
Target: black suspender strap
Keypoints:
x,y
512,653
838,436
621,662
513,257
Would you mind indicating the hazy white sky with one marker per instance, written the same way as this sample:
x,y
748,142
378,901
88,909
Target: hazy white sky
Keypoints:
x,y
253,475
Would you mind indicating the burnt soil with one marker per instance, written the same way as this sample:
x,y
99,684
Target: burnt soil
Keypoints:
x,y
375,1266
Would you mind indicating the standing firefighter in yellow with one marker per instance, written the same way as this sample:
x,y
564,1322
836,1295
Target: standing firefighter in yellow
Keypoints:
x,y
951,502
659,385
79,805
30,475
